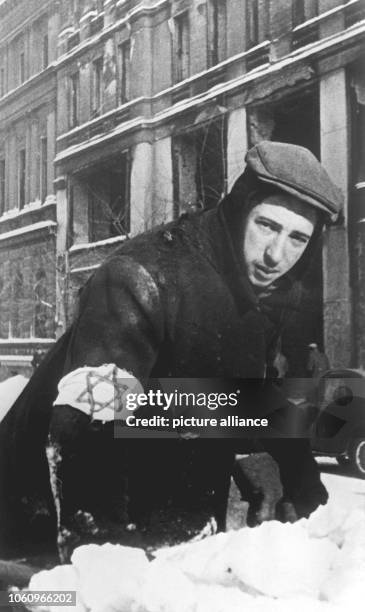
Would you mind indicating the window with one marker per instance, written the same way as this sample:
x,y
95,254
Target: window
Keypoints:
x,y
252,23
21,178
298,12
71,199
45,59
304,10
108,188
22,67
44,168
182,51
216,31
357,122
97,87
74,99
2,186
2,82
124,69
76,9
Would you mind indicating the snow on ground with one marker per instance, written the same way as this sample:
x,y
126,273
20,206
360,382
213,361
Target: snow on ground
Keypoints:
x,y
346,491
315,565
10,389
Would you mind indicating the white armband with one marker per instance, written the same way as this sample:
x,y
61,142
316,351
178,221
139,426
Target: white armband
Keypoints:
x,y
100,392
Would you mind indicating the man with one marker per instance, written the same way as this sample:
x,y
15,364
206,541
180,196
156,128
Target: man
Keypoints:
x,y
280,365
318,362
203,297
37,357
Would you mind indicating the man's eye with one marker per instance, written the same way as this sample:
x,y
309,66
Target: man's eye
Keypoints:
x,y
266,225
299,240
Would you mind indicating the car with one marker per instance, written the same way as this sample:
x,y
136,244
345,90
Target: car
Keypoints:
x,y
338,428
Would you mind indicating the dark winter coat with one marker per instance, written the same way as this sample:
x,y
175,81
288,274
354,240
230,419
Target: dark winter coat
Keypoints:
x,y
171,302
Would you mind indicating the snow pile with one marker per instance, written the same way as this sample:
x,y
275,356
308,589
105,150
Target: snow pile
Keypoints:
x,y
345,584
10,389
316,564
274,559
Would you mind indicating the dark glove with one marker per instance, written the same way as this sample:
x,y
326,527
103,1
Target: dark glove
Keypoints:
x,y
302,498
286,510
303,490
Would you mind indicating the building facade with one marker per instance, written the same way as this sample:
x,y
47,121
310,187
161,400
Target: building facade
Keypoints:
x,y
117,115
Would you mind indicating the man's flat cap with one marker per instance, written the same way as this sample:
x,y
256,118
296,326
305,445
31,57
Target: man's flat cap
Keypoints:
x,y
295,170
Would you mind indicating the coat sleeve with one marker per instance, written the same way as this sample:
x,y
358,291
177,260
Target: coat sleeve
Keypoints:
x,y
117,333
119,322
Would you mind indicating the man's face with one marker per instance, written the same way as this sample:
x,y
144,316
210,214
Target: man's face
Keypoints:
x,y
276,234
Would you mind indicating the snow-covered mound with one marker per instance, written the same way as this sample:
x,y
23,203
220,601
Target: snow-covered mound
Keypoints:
x,y
10,389
315,565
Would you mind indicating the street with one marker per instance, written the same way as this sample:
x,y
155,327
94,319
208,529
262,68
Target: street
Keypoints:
x,y
344,488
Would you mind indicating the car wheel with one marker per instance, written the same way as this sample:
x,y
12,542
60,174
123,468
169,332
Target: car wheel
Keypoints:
x,y
343,460
357,456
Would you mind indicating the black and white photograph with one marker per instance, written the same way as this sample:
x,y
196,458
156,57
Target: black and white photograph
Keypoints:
x,y
182,305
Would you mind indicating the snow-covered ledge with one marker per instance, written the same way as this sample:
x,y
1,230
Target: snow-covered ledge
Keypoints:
x,y
94,245
34,227
29,340
35,205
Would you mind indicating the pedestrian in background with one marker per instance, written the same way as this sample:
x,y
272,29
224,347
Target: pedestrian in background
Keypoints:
x,y
318,362
280,362
37,357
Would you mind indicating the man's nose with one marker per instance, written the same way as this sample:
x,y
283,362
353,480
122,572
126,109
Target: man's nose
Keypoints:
x,y
275,250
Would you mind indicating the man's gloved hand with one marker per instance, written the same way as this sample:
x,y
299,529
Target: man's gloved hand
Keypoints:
x,y
303,490
293,494
302,500
285,511
297,504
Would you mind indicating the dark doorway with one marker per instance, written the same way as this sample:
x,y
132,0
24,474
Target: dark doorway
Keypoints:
x,y
296,120
108,189
100,200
